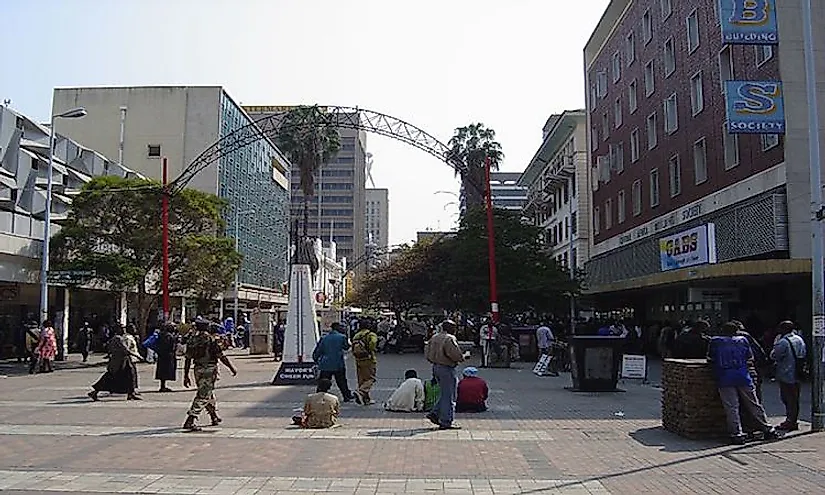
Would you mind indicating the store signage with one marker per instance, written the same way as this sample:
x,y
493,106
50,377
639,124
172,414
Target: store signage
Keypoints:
x,y
696,246
69,277
634,366
296,374
725,295
755,107
749,22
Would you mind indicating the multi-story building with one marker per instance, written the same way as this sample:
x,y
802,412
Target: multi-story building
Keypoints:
x,y
24,157
433,235
558,184
143,124
377,225
506,191
340,207
689,220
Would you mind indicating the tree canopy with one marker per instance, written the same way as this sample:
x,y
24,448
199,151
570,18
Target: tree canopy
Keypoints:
x,y
471,146
307,143
452,272
114,228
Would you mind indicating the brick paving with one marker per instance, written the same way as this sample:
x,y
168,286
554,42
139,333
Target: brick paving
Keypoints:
x,y
537,438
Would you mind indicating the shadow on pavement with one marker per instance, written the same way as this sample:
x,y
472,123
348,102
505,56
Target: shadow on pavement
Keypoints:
x,y
411,432
669,442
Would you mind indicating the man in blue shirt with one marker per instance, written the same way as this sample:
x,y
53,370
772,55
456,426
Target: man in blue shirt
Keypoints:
x,y
729,354
787,351
329,356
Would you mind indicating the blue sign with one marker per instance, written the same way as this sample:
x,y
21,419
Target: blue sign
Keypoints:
x,y
748,22
755,107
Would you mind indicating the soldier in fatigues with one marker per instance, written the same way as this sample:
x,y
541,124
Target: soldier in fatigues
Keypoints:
x,y
204,350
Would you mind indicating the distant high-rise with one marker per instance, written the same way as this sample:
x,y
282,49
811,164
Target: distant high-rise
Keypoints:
x,y
378,217
507,194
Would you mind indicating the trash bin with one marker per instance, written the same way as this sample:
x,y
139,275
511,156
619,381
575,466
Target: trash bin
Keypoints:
x,y
528,347
595,362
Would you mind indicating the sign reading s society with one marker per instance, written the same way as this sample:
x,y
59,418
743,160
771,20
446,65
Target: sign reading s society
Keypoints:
x,y
748,22
696,246
755,107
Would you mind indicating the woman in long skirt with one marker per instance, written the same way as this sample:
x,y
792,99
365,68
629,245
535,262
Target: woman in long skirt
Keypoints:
x,y
119,376
166,368
47,347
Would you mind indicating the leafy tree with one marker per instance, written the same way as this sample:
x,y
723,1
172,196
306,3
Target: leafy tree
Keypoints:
x,y
114,228
471,146
308,143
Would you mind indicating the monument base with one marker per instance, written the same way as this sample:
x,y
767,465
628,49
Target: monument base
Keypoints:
x,y
296,374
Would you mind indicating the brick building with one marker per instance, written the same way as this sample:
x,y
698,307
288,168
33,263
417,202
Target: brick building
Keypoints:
x,y
664,168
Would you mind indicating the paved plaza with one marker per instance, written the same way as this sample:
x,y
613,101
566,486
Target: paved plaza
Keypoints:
x,y
538,438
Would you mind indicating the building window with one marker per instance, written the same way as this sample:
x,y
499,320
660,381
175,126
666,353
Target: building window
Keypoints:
x,y
671,115
605,126
604,168
697,94
617,157
153,151
731,145
693,31
601,84
647,27
574,226
675,171
594,138
620,206
763,54
617,67
632,96
667,8
617,113
670,57
650,79
700,161
608,214
726,72
652,137
769,141
636,198
654,187
630,48
634,145
596,214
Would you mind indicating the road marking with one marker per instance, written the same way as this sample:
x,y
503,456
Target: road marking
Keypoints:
x,y
114,482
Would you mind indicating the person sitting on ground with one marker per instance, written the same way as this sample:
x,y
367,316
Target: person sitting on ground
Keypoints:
x,y
431,392
693,342
472,392
321,409
409,396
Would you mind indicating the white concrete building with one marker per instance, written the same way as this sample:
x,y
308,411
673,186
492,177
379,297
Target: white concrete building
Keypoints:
x,y
378,218
557,180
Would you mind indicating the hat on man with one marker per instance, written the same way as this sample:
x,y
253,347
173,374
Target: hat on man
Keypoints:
x,y
470,371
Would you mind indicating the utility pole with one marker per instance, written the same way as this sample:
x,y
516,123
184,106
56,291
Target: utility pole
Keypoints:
x,y
491,246
817,210
165,238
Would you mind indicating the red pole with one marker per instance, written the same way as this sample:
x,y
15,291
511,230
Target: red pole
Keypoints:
x,y
491,246
165,241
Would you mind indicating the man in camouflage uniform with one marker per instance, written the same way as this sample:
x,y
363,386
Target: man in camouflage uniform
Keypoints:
x,y
203,349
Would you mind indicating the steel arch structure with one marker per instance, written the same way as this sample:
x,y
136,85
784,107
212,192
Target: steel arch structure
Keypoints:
x,y
326,116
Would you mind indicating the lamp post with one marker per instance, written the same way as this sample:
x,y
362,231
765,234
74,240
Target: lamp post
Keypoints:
x,y
237,246
75,113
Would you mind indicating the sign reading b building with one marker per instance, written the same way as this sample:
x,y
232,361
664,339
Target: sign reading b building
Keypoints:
x,y
749,22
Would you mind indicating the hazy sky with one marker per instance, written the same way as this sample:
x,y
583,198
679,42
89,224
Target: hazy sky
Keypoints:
x,y
438,64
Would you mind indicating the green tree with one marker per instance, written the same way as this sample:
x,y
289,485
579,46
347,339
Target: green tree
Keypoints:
x,y
114,228
470,146
308,142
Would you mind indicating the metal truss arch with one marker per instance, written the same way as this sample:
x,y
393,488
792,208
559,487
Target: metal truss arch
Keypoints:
x,y
327,116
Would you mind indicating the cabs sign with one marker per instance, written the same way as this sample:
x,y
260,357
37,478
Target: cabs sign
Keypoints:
x,y
755,107
696,246
748,22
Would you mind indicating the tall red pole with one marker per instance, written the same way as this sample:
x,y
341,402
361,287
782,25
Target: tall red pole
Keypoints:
x,y
165,241
491,246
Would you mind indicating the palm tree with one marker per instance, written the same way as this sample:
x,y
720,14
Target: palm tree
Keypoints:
x,y
470,147
308,140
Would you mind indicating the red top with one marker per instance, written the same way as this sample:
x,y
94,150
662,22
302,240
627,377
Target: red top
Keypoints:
x,y
472,390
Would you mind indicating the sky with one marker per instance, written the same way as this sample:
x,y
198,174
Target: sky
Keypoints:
x,y
438,64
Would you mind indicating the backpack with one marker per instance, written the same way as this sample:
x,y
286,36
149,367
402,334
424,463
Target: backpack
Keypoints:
x,y
801,369
360,349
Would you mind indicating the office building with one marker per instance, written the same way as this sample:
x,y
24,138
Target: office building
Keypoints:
x,y
506,192
558,184
340,208
24,158
143,124
378,217
690,220
433,235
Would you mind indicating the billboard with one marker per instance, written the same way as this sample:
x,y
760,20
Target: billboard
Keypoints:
x,y
748,22
696,246
755,107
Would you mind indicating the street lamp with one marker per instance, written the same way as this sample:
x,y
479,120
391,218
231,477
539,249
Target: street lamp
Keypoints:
x,y
237,246
74,113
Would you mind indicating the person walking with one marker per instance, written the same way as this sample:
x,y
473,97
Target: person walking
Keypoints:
x,y
444,354
364,350
789,352
134,354
204,351
488,336
47,347
118,378
32,340
84,340
166,365
545,340
329,356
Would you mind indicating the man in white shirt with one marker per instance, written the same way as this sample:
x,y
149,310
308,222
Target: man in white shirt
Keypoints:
x,y
545,339
409,396
488,336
